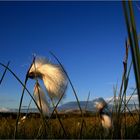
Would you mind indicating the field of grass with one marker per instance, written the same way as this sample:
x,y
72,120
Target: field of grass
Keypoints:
x,y
32,128
126,125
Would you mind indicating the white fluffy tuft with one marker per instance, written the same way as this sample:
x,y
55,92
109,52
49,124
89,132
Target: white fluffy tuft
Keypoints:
x,y
107,124
106,121
100,103
105,115
52,75
41,100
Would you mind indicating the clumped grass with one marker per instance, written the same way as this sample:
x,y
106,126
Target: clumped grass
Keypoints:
x,y
120,98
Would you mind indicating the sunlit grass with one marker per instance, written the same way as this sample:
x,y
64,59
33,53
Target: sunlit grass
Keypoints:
x,y
30,128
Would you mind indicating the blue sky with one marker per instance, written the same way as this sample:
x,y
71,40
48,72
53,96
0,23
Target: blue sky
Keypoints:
x,y
87,37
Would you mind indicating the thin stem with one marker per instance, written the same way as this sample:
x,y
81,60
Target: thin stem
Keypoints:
x,y
4,73
69,81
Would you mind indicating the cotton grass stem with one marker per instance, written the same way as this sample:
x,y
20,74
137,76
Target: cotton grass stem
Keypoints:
x,y
38,93
70,84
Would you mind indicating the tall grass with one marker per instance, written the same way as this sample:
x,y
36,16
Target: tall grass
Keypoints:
x,y
120,101
134,45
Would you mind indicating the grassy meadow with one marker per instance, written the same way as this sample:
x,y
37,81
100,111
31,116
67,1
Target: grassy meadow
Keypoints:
x,y
32,128
126,125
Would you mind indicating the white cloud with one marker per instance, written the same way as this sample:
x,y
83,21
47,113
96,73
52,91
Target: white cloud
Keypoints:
x,y
132,100
4,109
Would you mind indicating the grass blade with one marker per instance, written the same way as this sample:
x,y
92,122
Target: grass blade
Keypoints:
x,y
69,82
4,73
133,43
71,86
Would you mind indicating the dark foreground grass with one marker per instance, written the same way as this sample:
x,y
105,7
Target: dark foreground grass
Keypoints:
x,y
92,129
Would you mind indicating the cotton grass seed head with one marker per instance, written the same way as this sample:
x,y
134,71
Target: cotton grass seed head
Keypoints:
x,y
22,120
106,121
41,100
52,75
100,104
104,113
